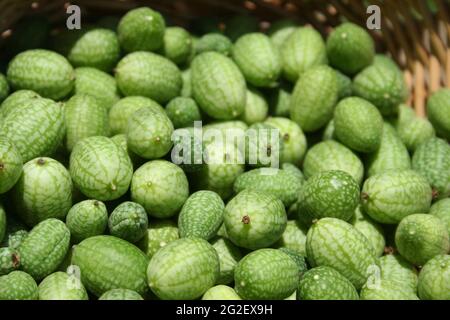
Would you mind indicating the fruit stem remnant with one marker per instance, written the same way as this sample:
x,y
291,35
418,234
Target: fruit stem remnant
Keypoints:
x,y
245,220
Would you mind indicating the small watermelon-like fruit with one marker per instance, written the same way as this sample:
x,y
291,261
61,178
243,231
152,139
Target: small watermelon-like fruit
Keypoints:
x,y
120,294
128,221
221,292
434,279
62,286
18,285
10,165
438,109
158,235
177,44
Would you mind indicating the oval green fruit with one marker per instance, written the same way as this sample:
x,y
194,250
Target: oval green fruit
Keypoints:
x,y
198,261
159,234
18,285
128,221
229,255
10,165
214,42
371,230
177,44
256,108
387,290
183,112
221,292
438,109
395,268
434,279
62,286
120,294
16,100
293,237
87,219
9,260
441,209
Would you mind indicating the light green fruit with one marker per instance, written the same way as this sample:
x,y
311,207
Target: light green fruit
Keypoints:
x,y
280,30
186,88
266,274
294,140
128,221
177,44
229,256
420,237
43,191
350,48
121,141
98,84
263,145
220,292
123,109
389,197
84,117
120,294
62,286
314,98
141,29
395,268
98,48
387,290
256,108
331,155
16,100
280,100
10,165
258,59
45,72
9,260
18,285
293,237
371,230
438,110
100,168
161,187
441,209
149,133
434,279
344,85
303,49
149,75
159,234
45,247
36,128
183,112
4,88
214,42
184,269
87,219
358,124
254,219
218,86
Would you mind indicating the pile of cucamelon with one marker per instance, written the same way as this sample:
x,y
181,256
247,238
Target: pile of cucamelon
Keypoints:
x,y
95,207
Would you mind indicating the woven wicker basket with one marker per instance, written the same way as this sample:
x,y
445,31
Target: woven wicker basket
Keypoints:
x,y
416,33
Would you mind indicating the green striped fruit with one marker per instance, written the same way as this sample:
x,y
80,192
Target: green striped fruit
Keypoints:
x,y
280,30
141,29
333,194
299,259
177,44
420,237
392,154
161,187
370,229
358,124
186,89
84,117
314,98
440,209
16,238
254,219
438,110
434,279
303,49
18,285
413,130
2,223
394,268
350,48
46,72
97,48
325,283
258,59
62,286
293,237
218,86
183,270
280,183
4,88
149,75
187,150
121,140
238,25
159,234
432,160
36,128
383,59
100,169
45,247
387,290
229,256
280,100
256,108
128,221
10,165
98,84
123,109
9,260
120,294
344,85
87,219
263,145
331,155
183,112
117,264
383,86
214,42
220,292
149,133
201,215
16,100
335,243
266,274
294,140
43,191
389,197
